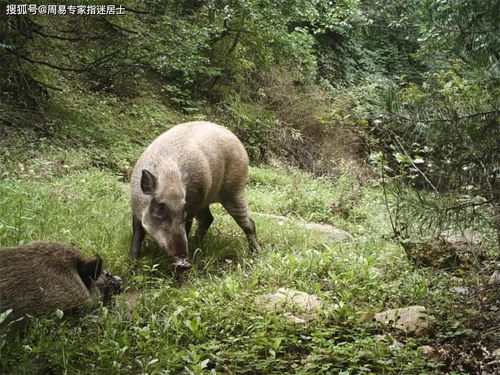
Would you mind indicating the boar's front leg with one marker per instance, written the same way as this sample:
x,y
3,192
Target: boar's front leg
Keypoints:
x,y
138,234
205,219
189,224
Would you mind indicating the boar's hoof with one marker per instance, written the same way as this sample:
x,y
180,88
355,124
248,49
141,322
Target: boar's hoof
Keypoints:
x,y
181,264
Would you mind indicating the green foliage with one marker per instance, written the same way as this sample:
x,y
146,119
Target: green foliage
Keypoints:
x,y
440,127
250,122
85,131
81,97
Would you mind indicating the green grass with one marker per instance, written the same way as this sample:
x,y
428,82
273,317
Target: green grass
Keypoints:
x,y
207,322
65,183
84,131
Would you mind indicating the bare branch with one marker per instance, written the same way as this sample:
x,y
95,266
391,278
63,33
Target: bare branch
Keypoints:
x,y
136,11
458,118
470,204
115,26
95,63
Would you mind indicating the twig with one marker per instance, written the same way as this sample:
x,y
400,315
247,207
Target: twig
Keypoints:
x,y
115,26
136,11
458,118
99,61
470,204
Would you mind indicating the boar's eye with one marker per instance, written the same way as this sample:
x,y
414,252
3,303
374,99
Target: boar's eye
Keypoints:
x,y
161,210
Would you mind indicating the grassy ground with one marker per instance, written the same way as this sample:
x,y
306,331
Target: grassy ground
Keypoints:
x,y
69,186
208,322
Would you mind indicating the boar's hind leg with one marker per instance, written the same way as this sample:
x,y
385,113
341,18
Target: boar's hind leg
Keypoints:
x,y
138,234
238,209
205,219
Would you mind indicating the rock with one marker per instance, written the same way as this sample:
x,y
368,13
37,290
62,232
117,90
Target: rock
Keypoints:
x,y
329,230
494,278
332,232
430,351
496,353
460,290
299,307
394,344
471,239
412,320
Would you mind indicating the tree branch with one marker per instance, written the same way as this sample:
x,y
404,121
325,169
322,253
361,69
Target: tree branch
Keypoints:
x,y
114,26
97,62
470,204
458,118
136,11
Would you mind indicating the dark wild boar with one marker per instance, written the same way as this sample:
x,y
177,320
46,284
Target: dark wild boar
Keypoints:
x,y
175,180
41,277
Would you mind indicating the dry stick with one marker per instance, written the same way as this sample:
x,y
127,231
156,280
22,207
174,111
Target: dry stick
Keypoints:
x,y
100,60
471,115
115,26
386,202
23,75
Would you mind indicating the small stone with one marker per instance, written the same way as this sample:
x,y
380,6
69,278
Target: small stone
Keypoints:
x,y
300,307
494,278
460,290
412,319
332,232
395,344
430,351
496,353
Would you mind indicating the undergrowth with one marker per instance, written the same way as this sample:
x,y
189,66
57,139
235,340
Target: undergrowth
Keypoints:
x,y
208,321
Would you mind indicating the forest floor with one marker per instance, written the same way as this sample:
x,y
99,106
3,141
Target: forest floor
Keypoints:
x,y
68,184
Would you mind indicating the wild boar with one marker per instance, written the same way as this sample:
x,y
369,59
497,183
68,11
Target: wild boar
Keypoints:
x,y
178,176
44,276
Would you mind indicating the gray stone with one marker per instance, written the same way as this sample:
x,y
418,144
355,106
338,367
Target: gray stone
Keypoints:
x,y
430,351
393,343
494,278
329,230
460,289
412,320
298,307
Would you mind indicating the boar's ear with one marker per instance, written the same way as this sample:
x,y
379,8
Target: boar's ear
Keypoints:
x,y
89,269
148,182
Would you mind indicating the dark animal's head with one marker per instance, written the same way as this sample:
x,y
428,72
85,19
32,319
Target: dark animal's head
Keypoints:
x,y
92,273
109,285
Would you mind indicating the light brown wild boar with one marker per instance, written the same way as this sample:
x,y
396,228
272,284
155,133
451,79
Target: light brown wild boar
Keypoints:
x,y
41,277
175,180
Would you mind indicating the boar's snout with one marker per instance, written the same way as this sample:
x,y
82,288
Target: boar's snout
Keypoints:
x,y
109,285
181,264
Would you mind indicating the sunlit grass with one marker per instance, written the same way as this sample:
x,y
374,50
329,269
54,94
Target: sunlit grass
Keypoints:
x,y
207,321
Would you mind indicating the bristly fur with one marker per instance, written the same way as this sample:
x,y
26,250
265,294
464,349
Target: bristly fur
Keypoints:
x,y
181,173
44,276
